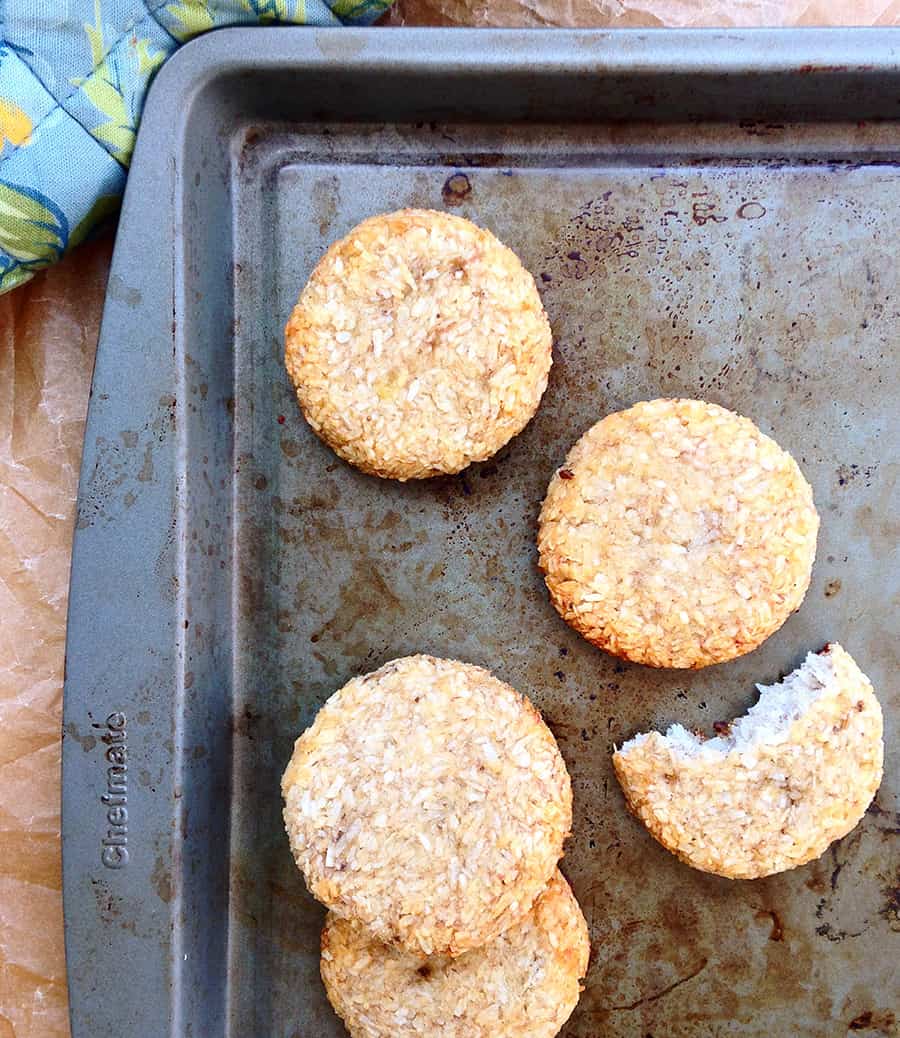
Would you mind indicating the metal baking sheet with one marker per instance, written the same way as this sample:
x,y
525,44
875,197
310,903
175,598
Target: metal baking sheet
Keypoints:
x,y
710,214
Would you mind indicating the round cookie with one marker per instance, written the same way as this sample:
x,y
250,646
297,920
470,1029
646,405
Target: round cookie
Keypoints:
x,y
429,802
677,535
794,774
418,345
524,984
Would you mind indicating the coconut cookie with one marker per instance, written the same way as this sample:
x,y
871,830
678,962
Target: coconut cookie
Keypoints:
x,y
677,535
794,774
418,345
524,984
429,802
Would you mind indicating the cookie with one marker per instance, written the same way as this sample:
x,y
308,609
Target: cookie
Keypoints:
x,y
429,802
524,984
418,345
793,775
677,535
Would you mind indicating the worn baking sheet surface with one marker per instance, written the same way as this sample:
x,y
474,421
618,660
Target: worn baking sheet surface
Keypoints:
x,y
768,289
230,572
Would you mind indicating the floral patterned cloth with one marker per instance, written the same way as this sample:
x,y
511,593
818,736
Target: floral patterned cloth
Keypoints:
x,y
73,76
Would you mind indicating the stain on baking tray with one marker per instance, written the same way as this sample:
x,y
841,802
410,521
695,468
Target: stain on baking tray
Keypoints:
x,y
366,595
110,906
881,1021
890,907
456,190
326,200
832,587
161,879
120,464
86,742
848,474
776,933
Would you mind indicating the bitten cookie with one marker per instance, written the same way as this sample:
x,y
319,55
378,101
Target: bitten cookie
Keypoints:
x,y
794,774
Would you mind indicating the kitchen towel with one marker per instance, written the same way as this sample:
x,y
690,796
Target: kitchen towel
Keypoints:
x,y
73,78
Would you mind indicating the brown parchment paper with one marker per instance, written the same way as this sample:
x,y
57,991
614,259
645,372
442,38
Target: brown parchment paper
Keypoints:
x,y
623,14
48,334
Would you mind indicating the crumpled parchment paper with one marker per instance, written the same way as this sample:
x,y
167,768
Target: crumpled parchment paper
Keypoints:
x,y
623,14
48,333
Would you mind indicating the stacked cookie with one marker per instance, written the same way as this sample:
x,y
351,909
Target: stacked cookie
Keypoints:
x,y
427,807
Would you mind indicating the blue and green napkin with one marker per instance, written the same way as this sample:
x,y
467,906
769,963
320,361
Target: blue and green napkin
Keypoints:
x,y
73,77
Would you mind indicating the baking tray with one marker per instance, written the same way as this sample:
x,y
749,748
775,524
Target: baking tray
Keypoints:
x,y
709,214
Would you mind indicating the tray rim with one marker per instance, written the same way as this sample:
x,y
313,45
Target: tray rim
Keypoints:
x,y
815,50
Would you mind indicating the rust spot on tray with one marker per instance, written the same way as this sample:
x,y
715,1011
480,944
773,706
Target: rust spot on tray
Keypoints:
x,y
776,933
881,1020
456,189
161,880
